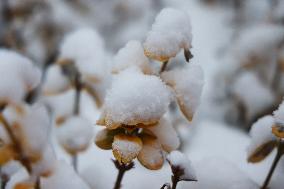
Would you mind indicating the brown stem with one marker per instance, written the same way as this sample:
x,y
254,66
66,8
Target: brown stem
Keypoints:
x,y
4,181
175,180
122,168
280,151
18,148
78,87
164,66
37,184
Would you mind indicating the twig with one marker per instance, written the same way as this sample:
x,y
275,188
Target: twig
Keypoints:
x,y
122,168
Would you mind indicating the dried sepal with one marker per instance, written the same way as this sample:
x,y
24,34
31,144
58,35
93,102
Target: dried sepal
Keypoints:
x,y
7,154
24,185
262,152
151,155
125,148
278,131
105,137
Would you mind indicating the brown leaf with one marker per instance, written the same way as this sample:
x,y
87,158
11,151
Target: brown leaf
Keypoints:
x,y
262,152
125,148
151,155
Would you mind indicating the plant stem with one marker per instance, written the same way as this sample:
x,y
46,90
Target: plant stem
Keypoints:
x,y
164,66
122,168
37,184
4,181
280,151
78,87
75,162
174,182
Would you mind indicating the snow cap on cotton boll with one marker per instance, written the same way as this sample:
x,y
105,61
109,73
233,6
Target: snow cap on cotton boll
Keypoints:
x,y
131,55
278,128
181,167
75,134
18,76
262,140
85,48
170,33
187,83
134,99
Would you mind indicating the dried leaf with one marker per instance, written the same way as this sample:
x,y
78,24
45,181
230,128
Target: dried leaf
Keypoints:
x,y
151,155
125,148
262,152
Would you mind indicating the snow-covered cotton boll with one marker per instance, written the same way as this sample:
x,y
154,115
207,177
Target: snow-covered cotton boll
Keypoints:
x,y
31,126
262,140
85,48
278,128
64,176
257,98
180,161
170,33
187,83
55,82
18,76
166,135
131,55
75,134
135,98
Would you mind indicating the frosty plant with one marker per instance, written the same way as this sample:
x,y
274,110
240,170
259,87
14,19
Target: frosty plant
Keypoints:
x,y
181,168
24,129
267,134
134,109
78,69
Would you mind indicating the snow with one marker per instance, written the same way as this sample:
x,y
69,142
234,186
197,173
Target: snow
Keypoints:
x,y
55,82
257,98
63,177
86,49
187,83
131,55
170,33
135,98
126,148
75,134
178,160
166,135
18,75
31,125
261,133
279,115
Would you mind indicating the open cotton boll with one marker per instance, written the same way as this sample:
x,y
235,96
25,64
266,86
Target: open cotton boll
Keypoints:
x,y
64,176
131,55
279,114
18,76
75,134
170,33
85,48
257,98
135,98
55,82
261,137
187,83
218,173
179,161
166,135
31,126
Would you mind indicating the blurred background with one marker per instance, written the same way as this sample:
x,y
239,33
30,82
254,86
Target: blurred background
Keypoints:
x,y
239,44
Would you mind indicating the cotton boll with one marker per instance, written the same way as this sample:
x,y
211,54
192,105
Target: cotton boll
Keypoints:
x,y
31,126
135,98
179,161
75,134
257,98
64,177
86,49
170,33
55,81
131,55
279,114
187,83
166,135
261,137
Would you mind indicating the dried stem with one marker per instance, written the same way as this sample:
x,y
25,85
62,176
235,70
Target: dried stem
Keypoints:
x,y
16,144
75,162
164,66
122,168
37,184
4,181
175,180
280,152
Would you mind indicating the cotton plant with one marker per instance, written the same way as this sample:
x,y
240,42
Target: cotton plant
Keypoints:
x,y
79,67
266,135
133,112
